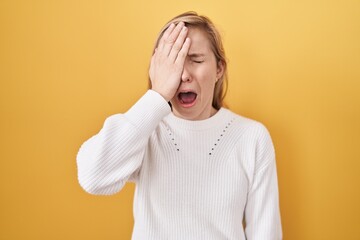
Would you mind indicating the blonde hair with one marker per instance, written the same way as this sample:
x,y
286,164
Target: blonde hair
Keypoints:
x,y
192,19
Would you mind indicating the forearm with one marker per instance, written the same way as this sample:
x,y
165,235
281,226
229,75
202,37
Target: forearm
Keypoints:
x,y
108,159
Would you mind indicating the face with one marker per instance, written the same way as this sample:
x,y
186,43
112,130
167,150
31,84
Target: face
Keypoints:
x,y
193,99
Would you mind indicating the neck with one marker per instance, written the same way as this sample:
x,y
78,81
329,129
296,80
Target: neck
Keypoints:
x,y
205,114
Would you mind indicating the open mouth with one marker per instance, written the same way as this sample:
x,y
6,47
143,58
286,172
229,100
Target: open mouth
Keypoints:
x,y
187,98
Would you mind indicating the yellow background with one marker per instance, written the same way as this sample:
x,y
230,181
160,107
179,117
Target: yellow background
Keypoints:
x,y
67,65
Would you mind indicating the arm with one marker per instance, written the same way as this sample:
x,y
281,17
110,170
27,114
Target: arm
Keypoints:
x,y
108,159
262,214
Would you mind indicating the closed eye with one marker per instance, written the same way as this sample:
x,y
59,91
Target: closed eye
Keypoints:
x,y
196,57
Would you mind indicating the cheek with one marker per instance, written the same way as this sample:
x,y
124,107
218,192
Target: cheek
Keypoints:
x,y
206,73
207,84
209,76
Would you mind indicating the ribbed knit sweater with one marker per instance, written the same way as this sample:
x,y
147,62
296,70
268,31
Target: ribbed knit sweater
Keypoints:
x,y
194,179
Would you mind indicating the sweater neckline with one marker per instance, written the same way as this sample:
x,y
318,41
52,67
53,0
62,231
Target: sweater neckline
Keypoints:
x,y
211,122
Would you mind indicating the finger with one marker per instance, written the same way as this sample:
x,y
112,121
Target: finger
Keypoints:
x,y
170,40
180,59
152,63
178,44
166,34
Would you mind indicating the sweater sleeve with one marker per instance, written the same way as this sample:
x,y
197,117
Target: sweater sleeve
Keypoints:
x,y
262,213
107,160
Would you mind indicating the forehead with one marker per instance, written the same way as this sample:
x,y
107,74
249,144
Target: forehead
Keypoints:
x,y
199,41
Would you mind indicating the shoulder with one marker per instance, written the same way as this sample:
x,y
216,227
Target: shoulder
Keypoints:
x,y
248,126
253,140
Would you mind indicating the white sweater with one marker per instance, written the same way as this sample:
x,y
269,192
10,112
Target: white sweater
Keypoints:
x,y
194,179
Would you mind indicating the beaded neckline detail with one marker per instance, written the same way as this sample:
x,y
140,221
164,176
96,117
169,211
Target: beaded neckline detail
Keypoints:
x,y
220,136
171,136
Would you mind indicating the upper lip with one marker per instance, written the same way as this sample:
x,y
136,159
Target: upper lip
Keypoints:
x,y
187,90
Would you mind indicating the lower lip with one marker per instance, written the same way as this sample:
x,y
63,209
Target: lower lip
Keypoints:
x,y
187,105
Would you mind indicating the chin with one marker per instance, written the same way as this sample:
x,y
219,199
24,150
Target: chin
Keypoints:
x,y
186,113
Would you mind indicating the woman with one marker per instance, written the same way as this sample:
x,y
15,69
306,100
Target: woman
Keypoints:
x,y
199,169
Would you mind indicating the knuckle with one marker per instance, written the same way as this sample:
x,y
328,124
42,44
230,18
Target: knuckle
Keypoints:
x,y
182,54
177,47
170,40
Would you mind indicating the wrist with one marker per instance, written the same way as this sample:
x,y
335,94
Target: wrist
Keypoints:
x,y
166,97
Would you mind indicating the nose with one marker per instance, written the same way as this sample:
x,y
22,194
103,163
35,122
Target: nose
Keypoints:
x,y
186,76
